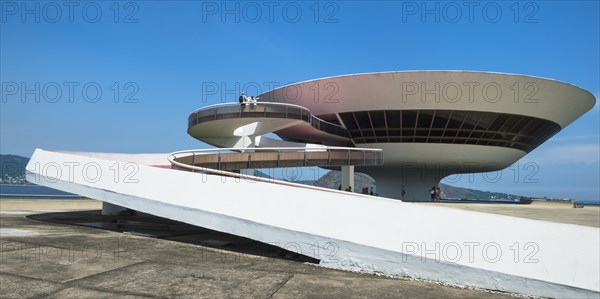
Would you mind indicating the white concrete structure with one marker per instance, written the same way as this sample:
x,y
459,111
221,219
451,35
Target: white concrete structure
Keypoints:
x,y
427,124
348,230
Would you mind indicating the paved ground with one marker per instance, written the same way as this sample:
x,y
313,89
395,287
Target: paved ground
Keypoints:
x,y
60,261
547,211
48,204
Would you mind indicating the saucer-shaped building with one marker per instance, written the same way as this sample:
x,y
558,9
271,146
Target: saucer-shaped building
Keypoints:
x,y
431,124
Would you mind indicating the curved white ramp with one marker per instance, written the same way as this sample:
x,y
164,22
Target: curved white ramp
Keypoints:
x,y
345,230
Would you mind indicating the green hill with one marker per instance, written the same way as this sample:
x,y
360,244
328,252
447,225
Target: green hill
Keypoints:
x,y
12,166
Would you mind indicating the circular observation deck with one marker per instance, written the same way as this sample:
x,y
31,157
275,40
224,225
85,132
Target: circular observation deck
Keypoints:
x,y
209,124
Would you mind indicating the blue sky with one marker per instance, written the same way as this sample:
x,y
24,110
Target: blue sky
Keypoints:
x,y
159,55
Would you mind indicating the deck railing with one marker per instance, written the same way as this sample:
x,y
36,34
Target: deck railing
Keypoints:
x,y
248,158
264,110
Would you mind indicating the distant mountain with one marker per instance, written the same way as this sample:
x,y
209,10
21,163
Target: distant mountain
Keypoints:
x,y
12,169
465,193
333,180
261,174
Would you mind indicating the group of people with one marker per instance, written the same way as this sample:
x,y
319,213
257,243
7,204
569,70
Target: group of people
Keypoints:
x,y
349,188
436,193
364,190
244,99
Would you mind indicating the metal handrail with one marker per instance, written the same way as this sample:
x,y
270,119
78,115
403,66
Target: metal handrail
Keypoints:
x,y
246,149
276,152
238,104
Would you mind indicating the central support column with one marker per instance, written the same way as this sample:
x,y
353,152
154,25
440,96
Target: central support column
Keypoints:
x,y
416,182
348,177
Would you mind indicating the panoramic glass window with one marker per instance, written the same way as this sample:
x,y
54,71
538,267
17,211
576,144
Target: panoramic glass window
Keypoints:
x,y
447,126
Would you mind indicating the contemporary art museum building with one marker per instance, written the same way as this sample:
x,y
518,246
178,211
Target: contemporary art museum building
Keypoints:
x,y
428,124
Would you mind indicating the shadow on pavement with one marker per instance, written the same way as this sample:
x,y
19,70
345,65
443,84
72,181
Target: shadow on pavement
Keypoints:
x,y
147,225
